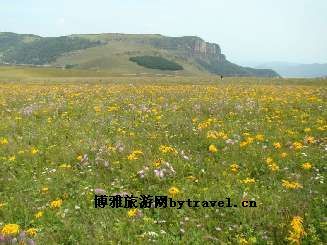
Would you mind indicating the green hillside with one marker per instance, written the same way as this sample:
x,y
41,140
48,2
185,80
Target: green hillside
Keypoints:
x,y
10,40
115,53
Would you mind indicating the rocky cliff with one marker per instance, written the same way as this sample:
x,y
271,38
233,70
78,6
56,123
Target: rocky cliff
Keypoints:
x,y
202,48
189,46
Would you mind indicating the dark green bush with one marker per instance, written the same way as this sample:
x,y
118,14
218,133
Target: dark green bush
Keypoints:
x,y
156,62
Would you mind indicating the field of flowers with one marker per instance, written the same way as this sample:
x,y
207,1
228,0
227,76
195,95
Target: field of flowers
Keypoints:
x,y
62,143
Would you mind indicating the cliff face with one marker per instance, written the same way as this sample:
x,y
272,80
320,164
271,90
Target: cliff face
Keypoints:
x,y
203,48
209,56
189,46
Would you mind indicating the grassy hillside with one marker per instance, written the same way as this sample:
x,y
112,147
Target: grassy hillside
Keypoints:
x,y
113,53
10,40
45,50
115,58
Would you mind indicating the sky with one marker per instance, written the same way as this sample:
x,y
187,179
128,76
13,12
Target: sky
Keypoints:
x,y
248,31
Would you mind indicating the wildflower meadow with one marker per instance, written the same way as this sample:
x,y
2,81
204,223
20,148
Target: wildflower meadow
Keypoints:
x,y
63,142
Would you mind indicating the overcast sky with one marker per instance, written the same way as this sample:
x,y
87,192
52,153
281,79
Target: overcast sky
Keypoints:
x,y
247,30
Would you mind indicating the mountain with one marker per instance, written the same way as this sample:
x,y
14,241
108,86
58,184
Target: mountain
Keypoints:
x,y
123,53
297,70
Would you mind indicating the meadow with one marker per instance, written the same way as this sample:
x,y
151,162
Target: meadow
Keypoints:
x,y
62,142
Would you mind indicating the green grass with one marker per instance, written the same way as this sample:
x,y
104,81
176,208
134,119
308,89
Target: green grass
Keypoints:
x,y
47,126
29,73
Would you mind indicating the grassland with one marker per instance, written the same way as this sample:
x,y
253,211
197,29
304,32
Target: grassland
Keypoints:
x,y
244,138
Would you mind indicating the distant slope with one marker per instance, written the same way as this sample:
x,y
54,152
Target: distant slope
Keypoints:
x,y
297,70
9,40
113,52
40,51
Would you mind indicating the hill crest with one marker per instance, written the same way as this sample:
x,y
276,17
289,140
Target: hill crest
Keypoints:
x,y
114,52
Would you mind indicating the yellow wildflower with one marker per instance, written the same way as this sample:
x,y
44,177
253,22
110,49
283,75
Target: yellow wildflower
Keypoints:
x,y
260,137
12,158
243,241
297,145
212,135
277,145
132,213
3,141
34,151
213,148
56,203
310,140
234,168
307,166
157,163
39,214
249,140
269,160
205,124
297,230
31,232
283,155
216,135
10,229
271,164
173,191
291,184
248,181
307,130
134,155
167,149
273,167
244,143
323,128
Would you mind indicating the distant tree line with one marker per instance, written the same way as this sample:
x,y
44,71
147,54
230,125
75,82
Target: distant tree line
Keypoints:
x,y
9,40
156,62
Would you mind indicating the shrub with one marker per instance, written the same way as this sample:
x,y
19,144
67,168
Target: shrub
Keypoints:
x,y
156,62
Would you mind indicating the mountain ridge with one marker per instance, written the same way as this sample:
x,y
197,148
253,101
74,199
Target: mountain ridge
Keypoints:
x,y
113,51
297,70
